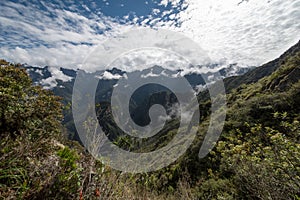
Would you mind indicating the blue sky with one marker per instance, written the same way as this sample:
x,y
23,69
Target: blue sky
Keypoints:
x,y
69,14
62,33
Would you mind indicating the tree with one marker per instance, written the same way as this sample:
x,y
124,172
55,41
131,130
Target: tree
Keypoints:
x,y
29,133
25,108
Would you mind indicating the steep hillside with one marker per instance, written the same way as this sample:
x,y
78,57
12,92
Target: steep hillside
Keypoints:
x,y
256,157
257,73
258,154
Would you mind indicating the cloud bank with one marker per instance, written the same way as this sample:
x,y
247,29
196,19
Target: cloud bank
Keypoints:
x,y
60,35
250,32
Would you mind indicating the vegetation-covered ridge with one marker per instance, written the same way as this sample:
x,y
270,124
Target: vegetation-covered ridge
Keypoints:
x,y
257,156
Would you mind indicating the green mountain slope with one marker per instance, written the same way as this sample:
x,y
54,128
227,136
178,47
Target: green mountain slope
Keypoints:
x,y
256,157
258,154
260,72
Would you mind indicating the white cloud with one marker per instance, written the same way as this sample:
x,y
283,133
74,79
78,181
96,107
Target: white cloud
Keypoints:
x,y
53,37
56,74
155,11
146,58
48,83
250,33
211,77
150,74
164,2
200,88
68,55
38,71
109,76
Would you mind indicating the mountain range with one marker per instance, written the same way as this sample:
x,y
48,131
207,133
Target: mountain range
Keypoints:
x,y
255,157
61,81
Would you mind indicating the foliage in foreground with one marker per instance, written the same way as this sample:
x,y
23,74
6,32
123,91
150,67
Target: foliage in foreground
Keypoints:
x,y
38,162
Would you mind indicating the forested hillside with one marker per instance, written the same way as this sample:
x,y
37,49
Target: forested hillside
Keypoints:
x,y
256,157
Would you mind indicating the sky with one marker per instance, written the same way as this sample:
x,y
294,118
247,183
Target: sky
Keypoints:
x,y
63,33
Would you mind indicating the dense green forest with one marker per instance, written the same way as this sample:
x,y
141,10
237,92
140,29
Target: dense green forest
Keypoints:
x,y
257,156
